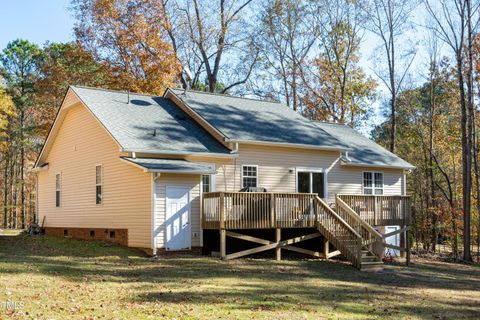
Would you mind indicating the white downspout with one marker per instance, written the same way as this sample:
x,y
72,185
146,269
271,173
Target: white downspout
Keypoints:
x,y
154,236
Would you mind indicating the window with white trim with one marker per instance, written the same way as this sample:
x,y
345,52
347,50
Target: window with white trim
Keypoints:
x,y
98,184
58,189
373,183
249,176
207,183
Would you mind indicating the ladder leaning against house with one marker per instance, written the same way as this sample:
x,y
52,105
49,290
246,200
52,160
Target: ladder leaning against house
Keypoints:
x,y
348,227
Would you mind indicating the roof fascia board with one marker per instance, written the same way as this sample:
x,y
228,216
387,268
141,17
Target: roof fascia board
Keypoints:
x,y
50,135
376,166
287,145
134,164
168,171
179,102
59,119
182,171
198,154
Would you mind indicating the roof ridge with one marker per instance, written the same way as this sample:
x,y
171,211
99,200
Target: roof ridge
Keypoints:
x,y
330,122
230,96
115,91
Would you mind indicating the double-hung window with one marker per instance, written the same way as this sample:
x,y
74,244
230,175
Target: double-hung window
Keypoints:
x,y
373,183
208,183
98,184
249,176
58,189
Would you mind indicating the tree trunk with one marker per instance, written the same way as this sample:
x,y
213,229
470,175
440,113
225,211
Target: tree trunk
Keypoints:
x,y
5,192
466,169
467,118
430,158
22,170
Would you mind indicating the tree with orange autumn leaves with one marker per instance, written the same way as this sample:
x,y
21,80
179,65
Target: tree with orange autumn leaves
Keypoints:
x,y
130,37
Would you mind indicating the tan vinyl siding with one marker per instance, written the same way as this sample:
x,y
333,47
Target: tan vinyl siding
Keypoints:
x,y
80,145
275,164
191,181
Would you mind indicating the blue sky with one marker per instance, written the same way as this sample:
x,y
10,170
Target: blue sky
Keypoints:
x,y
40,21
35,20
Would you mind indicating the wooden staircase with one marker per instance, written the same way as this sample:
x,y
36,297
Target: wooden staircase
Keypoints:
x,y
370,262
352,236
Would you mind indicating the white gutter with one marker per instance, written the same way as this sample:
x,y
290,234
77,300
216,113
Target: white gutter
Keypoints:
x,y
349,164
183,171
39,168
287,145
139,166
198,154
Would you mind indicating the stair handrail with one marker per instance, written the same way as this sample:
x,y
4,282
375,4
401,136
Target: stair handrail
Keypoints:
x,y
357,218
327,207
352,253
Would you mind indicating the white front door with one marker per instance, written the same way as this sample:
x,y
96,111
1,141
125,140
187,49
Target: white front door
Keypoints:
x,y
177,220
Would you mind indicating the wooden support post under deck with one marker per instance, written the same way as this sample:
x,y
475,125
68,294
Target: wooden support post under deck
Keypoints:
x,y
223,232
223,244
278,238
326,248
407,242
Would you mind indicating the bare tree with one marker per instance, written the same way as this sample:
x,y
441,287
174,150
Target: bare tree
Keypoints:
x,y
206,38
390,20
433,54
288,33
335,87
455,26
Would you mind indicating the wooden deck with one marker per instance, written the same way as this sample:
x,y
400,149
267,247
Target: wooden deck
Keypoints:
x,y
348,227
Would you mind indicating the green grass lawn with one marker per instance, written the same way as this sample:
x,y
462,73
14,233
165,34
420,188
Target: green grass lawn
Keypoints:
x,y
54,278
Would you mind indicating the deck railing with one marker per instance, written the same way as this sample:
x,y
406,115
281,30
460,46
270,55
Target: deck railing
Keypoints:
x,y
257,210
380,210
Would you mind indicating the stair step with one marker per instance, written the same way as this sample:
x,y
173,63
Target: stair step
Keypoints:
x,y
373,266
367,254
369,259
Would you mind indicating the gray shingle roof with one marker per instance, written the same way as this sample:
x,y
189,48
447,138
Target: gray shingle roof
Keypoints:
x,y
241,119
132,124
363,151
170,165
254,120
